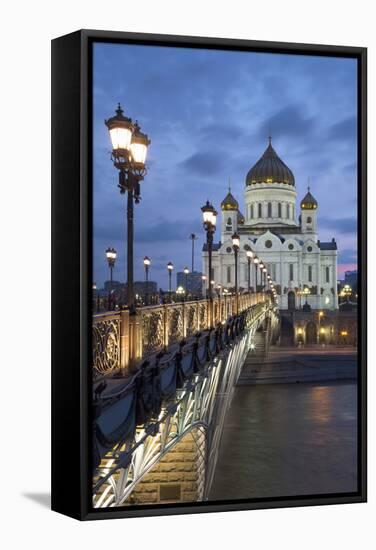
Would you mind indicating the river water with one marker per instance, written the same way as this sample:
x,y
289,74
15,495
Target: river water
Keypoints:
x,y
288,440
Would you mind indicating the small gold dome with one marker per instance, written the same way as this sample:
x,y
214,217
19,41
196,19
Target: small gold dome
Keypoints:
x,y
229,202
309,202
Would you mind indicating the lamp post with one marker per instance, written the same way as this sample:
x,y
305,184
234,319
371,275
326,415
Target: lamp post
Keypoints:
x,y
347,291
129,149
170,267
320,315
225,292
265,272
235,246
249,259
147,263
306,292
203,278
256,261
261,266
193,238
111,258
210,219
186,273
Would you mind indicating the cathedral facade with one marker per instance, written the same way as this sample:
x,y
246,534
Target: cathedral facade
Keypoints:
x,y
303,268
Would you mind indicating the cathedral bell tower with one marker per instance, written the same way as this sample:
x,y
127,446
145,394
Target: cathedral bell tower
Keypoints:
x,y
231,217
309,214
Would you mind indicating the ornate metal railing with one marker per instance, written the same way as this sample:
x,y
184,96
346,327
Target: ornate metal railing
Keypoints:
x,y
169,395
157,327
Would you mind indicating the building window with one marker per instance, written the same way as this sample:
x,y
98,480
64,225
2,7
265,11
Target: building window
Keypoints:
x,y
279,210
291,247
310,273
268,244
291,272
309,219
252,212
293,212
327,274
212,275
269,209
246,271
260,210
288,211
229,274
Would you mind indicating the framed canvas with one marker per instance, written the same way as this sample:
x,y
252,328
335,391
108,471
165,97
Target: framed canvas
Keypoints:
x,y
209,274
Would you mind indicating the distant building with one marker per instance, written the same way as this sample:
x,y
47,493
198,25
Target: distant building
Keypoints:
x,y
194,281
141,287
116,285
351,278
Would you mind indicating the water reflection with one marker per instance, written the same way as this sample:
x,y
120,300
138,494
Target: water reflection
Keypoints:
x,y
288,439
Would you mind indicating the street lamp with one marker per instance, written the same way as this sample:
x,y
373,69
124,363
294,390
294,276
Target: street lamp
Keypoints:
x,y
306,293
193,238
235,247
256,261
129,150
170,267
347,291
210,219
186,272
204,291
111,258
249,259
147,263
264,271
225,294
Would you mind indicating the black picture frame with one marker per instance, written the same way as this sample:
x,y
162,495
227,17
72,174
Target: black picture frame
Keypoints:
x,y
71,271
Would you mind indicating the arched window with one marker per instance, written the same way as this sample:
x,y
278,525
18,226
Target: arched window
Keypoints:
x,y
310,273
279,210
229,274
288,211
252,212
229,221
269,209
259,210
327,274
309,219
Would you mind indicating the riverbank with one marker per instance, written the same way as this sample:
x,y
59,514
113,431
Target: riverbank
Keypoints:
x,y
295,365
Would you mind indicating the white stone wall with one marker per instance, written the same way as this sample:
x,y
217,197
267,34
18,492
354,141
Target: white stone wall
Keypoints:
x,y
309,267
274,194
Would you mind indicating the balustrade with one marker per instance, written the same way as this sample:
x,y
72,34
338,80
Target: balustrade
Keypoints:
x,y
117,336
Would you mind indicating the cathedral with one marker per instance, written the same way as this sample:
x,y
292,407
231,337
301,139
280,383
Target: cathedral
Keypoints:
x,y
285,241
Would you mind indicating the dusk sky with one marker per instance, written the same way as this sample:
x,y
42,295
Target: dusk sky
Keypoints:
x,y
208,115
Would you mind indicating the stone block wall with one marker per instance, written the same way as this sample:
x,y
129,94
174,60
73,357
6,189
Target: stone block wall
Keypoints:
x,y
179,476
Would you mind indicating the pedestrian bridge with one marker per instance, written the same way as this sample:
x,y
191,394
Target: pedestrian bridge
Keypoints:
x,y
158,423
